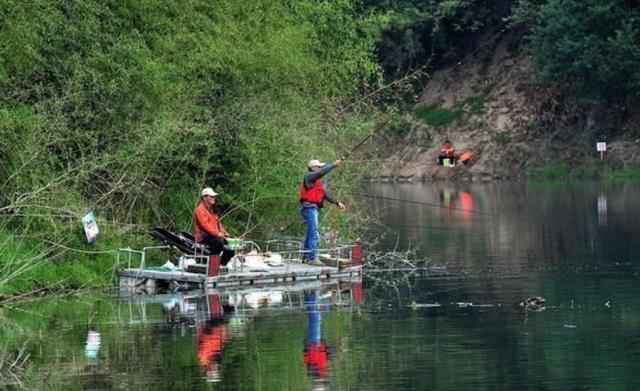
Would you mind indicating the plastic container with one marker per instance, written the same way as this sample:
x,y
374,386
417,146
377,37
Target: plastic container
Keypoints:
x,y
233,244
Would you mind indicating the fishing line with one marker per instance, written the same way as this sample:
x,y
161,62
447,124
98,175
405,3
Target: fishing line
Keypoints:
x,y
426,204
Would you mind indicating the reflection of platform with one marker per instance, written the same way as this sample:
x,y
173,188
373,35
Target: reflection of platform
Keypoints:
x,y
288,273
196,305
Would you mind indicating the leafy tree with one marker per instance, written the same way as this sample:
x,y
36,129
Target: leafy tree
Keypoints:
x,y
415,32
591,45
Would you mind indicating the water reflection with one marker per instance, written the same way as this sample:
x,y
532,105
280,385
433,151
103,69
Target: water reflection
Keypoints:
x,y
92,346
212,335
464,332
602,210
220,321
316,351
457,203
512,228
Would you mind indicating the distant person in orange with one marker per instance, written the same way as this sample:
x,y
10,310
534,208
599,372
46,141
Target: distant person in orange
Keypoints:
x,y
207,227
447,152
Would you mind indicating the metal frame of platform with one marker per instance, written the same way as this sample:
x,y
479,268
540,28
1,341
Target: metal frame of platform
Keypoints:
x,y
291,271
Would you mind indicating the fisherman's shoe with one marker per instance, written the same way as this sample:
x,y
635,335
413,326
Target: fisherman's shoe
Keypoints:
x,y
316,262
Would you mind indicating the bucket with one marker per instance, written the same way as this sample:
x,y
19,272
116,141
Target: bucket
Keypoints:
x,y
233,244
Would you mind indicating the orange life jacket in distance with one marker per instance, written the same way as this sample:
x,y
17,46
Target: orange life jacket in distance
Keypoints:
x,y
314,194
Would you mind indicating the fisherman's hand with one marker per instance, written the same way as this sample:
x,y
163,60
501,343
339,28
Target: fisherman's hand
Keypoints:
x,y
337,163
341,207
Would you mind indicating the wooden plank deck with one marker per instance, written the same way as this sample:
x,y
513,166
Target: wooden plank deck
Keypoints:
x,y
290,272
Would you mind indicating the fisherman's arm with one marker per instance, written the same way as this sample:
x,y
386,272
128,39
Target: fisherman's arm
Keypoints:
x,y
313,176
329,197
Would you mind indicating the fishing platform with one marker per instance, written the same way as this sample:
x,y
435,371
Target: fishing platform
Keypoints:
x,y
280,263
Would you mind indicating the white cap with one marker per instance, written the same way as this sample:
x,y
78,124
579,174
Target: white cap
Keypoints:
x,y
315,163
207,191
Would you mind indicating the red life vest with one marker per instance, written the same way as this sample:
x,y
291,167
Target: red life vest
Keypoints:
x,y
314,194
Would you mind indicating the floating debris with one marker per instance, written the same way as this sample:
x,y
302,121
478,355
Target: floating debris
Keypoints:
x,y
415,305
534,304
570,326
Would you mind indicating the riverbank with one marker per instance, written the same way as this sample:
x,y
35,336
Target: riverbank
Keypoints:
x,y
492,105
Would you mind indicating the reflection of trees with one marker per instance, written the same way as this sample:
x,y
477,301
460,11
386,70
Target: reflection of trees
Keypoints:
x,y
140,349
391,349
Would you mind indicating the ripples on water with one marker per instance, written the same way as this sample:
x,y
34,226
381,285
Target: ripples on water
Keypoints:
x,y
574,245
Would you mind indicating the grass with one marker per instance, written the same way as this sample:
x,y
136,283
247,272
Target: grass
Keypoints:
x,y
399,126
563,171
474,104
437,116
622,175
502,138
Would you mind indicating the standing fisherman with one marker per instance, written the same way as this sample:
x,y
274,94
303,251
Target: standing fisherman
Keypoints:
x,y
313,193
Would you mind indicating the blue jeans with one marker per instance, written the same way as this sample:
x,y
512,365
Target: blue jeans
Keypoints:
x,y
312,239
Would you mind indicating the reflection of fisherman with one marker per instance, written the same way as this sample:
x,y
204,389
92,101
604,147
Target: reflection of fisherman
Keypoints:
x,y
212,337
447,152
447,195
316,352
466,204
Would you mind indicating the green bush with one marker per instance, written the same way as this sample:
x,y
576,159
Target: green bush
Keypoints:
x,y
593,46
129,109
552,171
623,175
437,116
474,104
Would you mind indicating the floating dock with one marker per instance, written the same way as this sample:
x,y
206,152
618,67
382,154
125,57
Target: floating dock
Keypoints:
x,y
340,264
289,272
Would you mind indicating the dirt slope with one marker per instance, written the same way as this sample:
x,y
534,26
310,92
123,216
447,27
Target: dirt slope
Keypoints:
x,y
511,124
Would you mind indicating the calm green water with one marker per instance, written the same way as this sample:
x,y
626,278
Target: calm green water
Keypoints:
x,y
576,245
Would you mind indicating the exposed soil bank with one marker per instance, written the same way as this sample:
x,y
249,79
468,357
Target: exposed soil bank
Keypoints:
x,y
491,105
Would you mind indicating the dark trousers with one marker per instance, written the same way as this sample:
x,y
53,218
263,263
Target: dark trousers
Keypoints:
x,y
216,246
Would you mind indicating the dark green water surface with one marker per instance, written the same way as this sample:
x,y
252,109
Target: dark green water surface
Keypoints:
x,y
575,245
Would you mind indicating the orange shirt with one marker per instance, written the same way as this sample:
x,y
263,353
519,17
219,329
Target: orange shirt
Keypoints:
x,y
206,220
448,151
211,343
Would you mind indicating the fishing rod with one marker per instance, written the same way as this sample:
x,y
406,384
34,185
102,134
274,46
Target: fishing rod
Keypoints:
x,y
376,130
414,75
425,204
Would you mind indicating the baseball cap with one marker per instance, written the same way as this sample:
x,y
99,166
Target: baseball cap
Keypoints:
x,y
207,191
315,163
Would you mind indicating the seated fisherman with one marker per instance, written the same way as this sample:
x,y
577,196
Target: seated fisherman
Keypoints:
x,y
208,229
447,152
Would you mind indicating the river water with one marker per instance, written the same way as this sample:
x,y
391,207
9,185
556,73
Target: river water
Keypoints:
x,y
571,249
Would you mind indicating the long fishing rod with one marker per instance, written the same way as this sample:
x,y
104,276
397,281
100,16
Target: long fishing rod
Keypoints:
x,y
376,130
425,204
414,75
